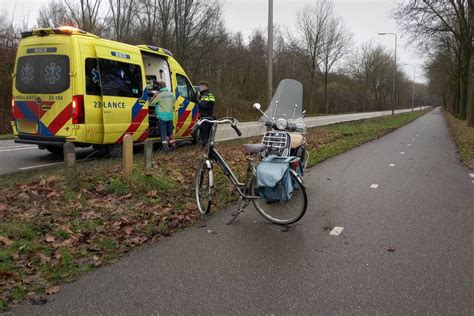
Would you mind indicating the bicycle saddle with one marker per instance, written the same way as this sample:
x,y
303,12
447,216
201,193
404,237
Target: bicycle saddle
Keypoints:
x,y
254,148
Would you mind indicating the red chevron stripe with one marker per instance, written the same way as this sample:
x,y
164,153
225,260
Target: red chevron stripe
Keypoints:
x,y
143,136
61,119
188,132
182,120
17,113
135,124
36,108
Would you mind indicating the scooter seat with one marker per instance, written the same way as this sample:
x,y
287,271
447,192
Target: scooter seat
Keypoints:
x,y
296,140
254,148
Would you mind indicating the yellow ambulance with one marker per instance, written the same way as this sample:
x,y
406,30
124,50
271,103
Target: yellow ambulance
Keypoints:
x,y
73,86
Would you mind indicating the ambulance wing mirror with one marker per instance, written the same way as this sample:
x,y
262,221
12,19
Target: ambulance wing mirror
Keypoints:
x,y
197,95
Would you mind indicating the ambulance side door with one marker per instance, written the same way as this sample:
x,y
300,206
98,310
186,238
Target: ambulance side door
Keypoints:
x,y
124,98
186,113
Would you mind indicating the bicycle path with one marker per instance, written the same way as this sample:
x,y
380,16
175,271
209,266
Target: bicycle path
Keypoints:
x,y
405,247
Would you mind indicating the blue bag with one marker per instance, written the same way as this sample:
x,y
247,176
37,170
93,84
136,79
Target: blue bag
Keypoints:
x,y
274,179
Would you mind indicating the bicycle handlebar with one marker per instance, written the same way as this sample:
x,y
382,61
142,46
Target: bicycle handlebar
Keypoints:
x,y
226,120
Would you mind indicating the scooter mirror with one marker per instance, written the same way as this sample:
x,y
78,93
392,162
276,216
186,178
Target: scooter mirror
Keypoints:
x,y
257,106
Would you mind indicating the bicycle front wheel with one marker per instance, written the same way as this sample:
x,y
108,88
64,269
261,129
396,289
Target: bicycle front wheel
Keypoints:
x,y
204,188
283,213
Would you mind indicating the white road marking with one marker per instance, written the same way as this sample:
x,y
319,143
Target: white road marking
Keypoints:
x,y
413,139
16,149
471,175
374,186
402,153
392,165
40,166
19,146
336,230
409,145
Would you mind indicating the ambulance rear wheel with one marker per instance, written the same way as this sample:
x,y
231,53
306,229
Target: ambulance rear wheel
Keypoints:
x,y
114,150
55,150
195,139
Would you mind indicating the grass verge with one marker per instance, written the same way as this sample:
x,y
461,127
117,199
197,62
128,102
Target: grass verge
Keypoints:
x,y
463,136
50,234
6,136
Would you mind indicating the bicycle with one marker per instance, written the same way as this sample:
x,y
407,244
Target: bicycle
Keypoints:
x,y
278,212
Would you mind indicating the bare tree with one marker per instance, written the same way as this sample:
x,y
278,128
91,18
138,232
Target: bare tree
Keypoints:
x,y
426,20
156,22
54,14
336,44
312,25
88,15
122,14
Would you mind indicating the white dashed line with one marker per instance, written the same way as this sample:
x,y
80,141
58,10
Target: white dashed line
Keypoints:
x,y
471,175
392,165
402,153
17,149
336,230
409,145
374,186
40,166
413,139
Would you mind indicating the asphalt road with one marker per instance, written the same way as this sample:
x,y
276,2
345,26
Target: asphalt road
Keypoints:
x,y
422,208
22,157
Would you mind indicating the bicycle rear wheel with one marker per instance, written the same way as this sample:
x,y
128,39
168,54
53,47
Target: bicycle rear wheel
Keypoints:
x,y
283,213
204,188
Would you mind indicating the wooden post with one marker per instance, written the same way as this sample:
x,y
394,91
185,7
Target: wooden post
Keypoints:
x,y
148,155
70,171
127,155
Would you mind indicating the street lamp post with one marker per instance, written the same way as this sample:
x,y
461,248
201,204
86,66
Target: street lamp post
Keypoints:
x,y
270,52
413,90
394,70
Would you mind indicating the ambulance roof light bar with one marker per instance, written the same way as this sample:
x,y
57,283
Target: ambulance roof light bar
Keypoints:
x,y
66,30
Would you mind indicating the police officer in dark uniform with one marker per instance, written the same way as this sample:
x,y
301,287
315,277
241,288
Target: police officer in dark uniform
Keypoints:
x,y
206,109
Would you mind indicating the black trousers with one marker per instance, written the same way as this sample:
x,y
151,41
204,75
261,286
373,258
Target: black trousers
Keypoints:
x,y
204,132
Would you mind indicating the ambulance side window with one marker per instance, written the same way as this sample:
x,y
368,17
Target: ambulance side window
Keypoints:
x,y
184,88
92,77
120,79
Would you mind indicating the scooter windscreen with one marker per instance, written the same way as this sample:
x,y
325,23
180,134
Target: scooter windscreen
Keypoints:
x,y
287,103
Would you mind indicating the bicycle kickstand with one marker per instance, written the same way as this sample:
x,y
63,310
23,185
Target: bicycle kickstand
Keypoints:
x,y
242,206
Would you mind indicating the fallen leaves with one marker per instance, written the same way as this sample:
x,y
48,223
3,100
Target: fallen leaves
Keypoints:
x,y
4,241
389,248
59,232
49,239
53,290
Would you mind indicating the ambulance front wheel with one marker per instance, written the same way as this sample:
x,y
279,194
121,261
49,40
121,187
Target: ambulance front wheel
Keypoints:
x,y
195,139
55,150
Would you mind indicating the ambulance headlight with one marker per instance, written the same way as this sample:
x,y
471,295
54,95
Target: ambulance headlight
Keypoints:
x,y
281,124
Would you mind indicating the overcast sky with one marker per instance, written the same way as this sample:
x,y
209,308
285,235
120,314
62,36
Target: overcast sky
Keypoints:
x,y
363,18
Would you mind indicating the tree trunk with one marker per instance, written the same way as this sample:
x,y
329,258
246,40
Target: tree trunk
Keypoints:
x,y
311,95
470,95
326,103
464,82
470,87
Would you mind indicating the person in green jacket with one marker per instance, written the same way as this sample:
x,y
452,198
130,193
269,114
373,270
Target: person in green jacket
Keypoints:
x,y
164,103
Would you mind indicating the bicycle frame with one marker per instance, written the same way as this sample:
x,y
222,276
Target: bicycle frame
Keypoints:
x,y
211,154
